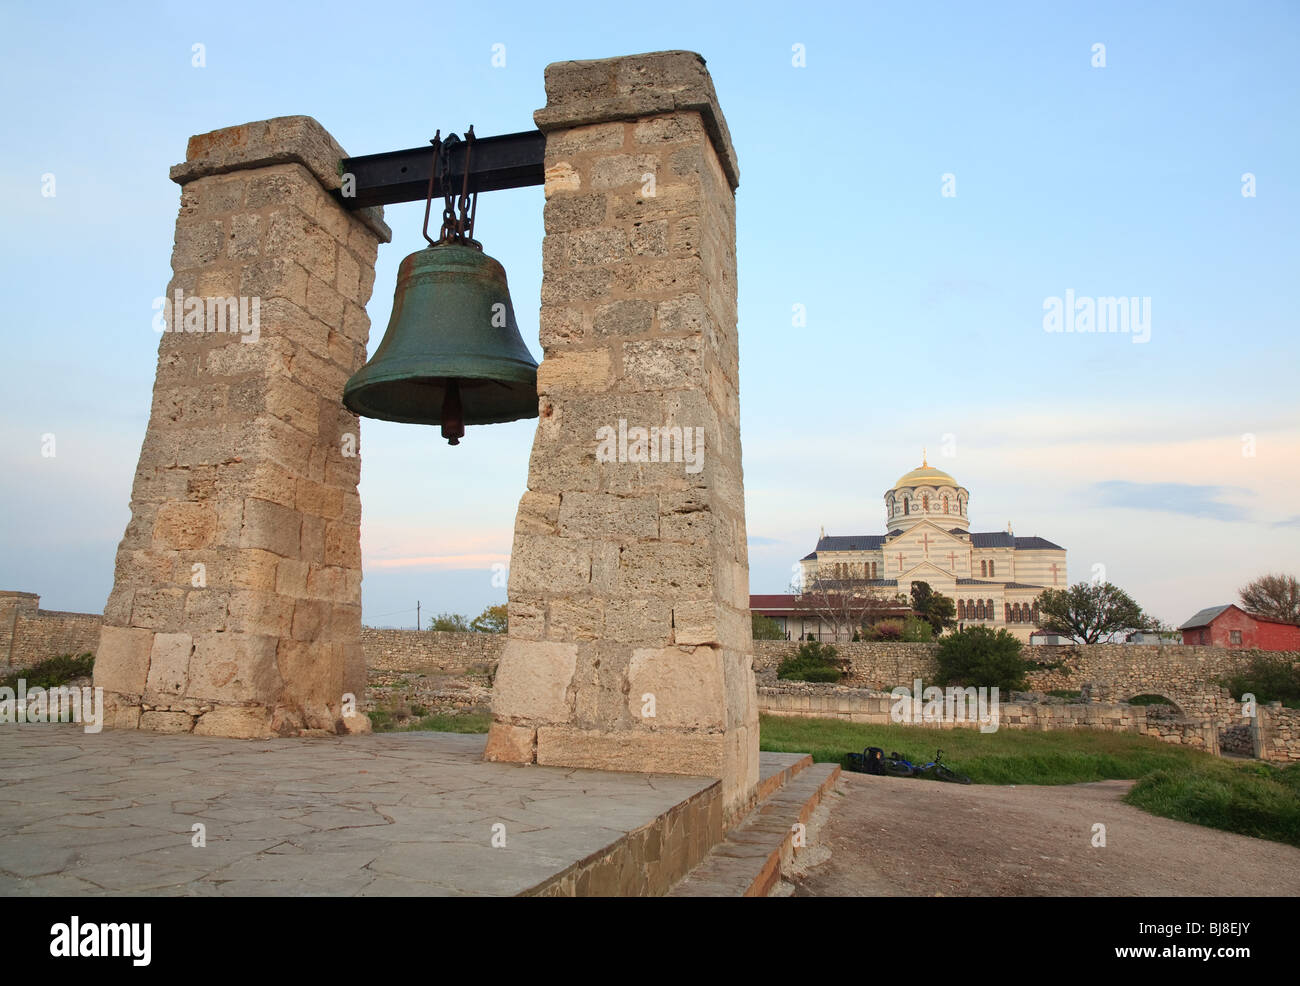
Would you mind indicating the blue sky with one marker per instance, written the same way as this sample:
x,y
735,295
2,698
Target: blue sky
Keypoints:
x,y
924,312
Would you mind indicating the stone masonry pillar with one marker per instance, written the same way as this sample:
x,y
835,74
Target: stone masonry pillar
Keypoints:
x,y
629,633
236,602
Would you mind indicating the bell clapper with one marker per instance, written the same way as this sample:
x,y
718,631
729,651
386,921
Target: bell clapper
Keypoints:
x,y
453,415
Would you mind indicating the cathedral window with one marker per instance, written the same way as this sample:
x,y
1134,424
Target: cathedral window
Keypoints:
x,y
873,570
1006,612
961,609
925,501
979,609
991,573
905,507
945,504
984,568
989,609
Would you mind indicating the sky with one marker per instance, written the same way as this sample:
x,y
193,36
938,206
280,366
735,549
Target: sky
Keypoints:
x,y
1173,461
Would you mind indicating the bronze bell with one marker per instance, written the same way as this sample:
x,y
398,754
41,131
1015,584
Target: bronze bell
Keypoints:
x,y
452,354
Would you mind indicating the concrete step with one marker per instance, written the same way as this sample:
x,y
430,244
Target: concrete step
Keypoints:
x,y
776,770
749,861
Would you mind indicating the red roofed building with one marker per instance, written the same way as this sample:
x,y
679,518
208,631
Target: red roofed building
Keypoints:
x,y
1232,626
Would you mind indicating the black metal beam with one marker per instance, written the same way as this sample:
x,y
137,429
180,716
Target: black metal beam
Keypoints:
x,y
505,161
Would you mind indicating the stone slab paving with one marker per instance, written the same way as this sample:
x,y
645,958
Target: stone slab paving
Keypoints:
x,y
392,814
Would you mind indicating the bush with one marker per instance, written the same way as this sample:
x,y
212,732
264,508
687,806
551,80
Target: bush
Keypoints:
x,y
1270,678
917,630
813,661
887,630
981,658
52,672
766,628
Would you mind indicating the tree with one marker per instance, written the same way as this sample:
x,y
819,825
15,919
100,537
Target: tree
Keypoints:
x,y
1089,611
933,607
491,620
1274,597
844,604
766,628
452,622
979,657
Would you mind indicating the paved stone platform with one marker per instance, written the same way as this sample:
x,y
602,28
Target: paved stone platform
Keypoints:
x,y
389,814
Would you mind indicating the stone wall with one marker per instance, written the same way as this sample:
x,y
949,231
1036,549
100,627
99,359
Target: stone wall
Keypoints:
x,y
29,634
857,705
430,651
1128,668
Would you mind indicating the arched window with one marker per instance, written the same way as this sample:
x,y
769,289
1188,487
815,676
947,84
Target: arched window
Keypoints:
x,y
873,570
989,609
961,609
945,504
984,568
1006,612
906,509
1015,613
979,609
1035,611
925,501
991,573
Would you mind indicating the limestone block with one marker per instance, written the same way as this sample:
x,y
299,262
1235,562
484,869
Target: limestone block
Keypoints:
x,y
686,682
122,659
169,665
234,667
697,754
167,722
533,680
250,722
511,744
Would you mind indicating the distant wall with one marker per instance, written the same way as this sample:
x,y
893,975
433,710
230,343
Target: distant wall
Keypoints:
x,y
429,651
1127,669
29,634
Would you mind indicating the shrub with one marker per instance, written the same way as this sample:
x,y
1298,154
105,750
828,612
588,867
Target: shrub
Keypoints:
x,y
981,658
766,628
1065,693
813,661
52,672
1269,677
917,630
887,630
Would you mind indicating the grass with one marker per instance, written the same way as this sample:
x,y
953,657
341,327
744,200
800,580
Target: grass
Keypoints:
x,y
52,672
383,722
1250,798
1005,757
1254,799
1066,693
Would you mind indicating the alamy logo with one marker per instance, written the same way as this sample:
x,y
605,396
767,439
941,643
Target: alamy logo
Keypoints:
x,y
62,704
953,705
195,314
1100,315
95,939
667,444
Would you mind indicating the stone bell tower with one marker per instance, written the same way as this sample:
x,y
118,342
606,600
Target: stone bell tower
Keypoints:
x,y
629,633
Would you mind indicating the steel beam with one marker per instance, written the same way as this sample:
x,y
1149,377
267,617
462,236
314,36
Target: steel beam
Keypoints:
x,y
504,161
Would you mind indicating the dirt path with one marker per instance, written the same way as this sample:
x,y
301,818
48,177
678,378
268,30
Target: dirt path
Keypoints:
x,y
894,837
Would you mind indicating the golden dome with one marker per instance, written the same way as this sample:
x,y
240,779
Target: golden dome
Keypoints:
x,y
926,475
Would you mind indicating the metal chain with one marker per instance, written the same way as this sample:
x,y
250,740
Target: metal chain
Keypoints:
x,y
455,228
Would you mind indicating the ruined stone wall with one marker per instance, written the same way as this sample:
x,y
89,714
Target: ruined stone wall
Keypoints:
x,y
29,634
430,651
1129,669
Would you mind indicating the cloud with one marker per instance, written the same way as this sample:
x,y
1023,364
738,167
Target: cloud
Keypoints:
x,y
1175,498
452,562
1293,521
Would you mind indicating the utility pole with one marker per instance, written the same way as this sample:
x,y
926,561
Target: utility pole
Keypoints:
x,y
417,614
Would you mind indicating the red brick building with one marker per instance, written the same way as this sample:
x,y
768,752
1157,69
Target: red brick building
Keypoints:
x,y
1232,626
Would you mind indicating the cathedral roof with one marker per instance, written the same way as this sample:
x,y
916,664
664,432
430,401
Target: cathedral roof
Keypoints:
x,y
851,542
925,475
1001,539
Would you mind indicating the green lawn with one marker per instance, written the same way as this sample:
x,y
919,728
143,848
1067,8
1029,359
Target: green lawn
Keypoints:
x,y
382,722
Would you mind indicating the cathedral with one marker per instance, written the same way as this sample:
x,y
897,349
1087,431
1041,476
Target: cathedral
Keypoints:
x,y
994,578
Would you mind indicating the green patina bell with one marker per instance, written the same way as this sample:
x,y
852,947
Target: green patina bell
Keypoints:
x,y
452,354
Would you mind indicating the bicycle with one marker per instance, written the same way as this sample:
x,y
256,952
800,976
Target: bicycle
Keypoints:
x,y
896,765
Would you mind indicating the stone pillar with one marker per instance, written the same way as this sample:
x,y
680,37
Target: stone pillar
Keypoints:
x,y
629,577
236,602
